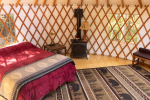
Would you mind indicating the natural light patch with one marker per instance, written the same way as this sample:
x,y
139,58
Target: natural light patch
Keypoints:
x,y
31,56
8,31
3,64
30,52
123,28
1,58
21,58
10,61
38,53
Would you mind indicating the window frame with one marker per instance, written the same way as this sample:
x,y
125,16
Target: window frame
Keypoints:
x,y
125,26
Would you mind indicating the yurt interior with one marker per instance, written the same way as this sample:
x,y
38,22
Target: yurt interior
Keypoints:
x,y
74,49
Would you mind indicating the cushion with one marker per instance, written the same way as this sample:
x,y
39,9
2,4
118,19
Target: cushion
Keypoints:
x,y
144,53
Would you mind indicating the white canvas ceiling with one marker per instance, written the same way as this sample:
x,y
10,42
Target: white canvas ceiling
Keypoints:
x,y
70,2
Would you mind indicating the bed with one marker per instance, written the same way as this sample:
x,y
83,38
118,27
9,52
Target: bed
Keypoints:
x,y
25,54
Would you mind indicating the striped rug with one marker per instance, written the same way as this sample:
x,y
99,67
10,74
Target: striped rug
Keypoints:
x,y
105,83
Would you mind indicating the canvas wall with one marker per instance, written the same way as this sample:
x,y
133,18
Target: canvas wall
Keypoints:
x,y
33,24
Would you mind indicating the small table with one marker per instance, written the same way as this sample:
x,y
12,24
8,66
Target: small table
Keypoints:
x,y
55,47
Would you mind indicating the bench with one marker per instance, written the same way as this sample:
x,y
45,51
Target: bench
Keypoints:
x,y
143,54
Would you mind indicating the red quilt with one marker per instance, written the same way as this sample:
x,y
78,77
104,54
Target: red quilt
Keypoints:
x,y
25,53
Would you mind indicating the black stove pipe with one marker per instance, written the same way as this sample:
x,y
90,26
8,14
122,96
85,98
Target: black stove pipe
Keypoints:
x,y
78,13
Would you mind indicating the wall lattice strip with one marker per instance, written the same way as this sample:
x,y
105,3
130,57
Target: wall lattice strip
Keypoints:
x,y
14,24
112,30
130,14
143,25
4,25
125,24
105,29
120,30
101,22
33,24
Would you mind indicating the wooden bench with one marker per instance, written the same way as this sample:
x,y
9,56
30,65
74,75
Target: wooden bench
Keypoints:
x,y
143,54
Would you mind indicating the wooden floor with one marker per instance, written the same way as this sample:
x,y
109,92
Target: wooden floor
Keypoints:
x,y
102,61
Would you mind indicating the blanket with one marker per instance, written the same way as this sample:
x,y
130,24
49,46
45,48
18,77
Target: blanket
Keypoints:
x,y
18,55
24,53
14,80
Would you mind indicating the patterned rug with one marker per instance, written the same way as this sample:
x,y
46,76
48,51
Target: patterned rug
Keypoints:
x,y
105,83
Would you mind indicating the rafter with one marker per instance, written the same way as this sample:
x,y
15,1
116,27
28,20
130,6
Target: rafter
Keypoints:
x,y
96,3
122,4
81,3
17,3
44,2
35,2
53,3
67,2
107,3
140,3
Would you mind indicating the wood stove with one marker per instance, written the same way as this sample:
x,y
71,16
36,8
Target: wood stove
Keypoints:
x,y
78,47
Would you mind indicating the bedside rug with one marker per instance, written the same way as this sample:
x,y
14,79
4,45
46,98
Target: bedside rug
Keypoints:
x,y
105,83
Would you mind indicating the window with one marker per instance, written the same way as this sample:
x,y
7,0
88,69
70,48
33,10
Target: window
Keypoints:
x,y
5,33
121,28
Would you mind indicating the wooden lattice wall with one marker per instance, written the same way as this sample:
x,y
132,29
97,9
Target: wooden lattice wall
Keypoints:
x,y
33,24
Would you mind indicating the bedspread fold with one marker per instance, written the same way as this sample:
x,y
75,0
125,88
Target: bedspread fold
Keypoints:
x,y
24,54
15,79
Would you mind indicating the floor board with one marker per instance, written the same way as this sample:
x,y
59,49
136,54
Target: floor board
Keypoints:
x,y
102,61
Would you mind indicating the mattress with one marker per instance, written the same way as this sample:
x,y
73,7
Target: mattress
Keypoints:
x,y
25,53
